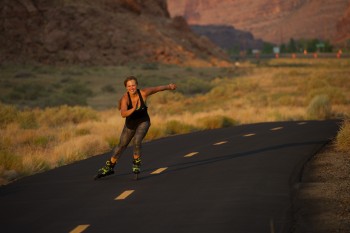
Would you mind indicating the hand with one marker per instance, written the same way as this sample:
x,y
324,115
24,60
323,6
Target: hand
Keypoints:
x,y
136,105
172,86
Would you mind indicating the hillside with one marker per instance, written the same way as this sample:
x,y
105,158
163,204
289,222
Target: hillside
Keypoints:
x,y
108,32
228,38
273,21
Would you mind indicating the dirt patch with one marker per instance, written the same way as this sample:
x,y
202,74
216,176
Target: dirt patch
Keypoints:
x,y
322,202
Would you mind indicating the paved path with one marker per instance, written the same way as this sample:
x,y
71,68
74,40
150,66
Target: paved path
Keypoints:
x,y
237,179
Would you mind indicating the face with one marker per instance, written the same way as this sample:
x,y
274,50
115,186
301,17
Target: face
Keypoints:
x,y
131,86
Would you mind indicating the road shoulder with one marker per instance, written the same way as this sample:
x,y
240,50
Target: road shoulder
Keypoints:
x,y
322,201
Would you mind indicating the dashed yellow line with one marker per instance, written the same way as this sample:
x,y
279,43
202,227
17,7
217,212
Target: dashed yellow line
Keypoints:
x,y
219,143
159,170
277,128
249,135
79,229
191,154
124,195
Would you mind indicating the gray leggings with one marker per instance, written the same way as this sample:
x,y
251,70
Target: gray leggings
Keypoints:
x,y
127,134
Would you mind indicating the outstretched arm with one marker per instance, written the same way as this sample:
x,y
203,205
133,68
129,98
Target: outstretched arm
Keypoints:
x,y
152,90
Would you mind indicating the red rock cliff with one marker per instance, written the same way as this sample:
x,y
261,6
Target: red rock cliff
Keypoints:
x,y
104,32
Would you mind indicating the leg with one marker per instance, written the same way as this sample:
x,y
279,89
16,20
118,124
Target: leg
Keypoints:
x,y
125,138
141,132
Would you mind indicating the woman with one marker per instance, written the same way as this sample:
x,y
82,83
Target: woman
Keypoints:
x,y
133,107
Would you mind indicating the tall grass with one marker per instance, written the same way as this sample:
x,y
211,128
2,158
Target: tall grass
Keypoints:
x,y
342,141
37,139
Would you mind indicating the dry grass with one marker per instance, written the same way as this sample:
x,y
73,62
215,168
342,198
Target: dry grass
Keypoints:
x,y
34,140
342,142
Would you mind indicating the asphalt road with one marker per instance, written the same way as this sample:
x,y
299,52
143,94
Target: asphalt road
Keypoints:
x,y
238,179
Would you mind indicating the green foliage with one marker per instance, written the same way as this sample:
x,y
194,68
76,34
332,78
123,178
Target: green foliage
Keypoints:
x,y
267,48
311,45
319,108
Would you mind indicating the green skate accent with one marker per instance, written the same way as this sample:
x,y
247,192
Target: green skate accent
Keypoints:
x,y
106,170
136,165
137,161
136,169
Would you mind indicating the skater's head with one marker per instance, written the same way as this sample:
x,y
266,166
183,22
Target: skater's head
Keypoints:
x,y
130,78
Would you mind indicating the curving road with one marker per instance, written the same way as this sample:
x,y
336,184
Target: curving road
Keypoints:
x,y
237,179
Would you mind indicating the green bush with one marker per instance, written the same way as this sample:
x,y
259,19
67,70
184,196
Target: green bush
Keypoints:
x,y
319,108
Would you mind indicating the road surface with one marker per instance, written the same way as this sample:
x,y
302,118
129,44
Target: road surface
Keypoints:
x,y
237,179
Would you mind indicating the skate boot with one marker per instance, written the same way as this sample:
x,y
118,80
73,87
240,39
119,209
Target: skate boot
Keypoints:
x,y
136,165
106,170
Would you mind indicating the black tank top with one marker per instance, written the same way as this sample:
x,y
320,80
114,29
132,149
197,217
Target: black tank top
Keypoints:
x,y
139,115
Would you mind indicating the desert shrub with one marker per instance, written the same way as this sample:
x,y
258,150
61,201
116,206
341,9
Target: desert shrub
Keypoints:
x,y
154,132
193,86
342,141
24,74
150,66
319,108
165,98
10,161
28,91
335,95
108,89
63,115
78,89
64,99
82,131
43,140
8,114
214,122
27,120
176,127
79,148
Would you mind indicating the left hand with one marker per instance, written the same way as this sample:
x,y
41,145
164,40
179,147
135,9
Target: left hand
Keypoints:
x,y
172,86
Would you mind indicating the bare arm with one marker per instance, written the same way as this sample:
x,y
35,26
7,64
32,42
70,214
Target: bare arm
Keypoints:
x,y
152,90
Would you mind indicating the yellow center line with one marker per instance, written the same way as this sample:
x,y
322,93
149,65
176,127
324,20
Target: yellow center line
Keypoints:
x,y
191,154
302,123
79,229
249,135
219,143
124,195
277,128
159,170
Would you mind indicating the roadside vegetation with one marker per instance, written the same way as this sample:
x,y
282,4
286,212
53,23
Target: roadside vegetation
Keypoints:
x,y
52,116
